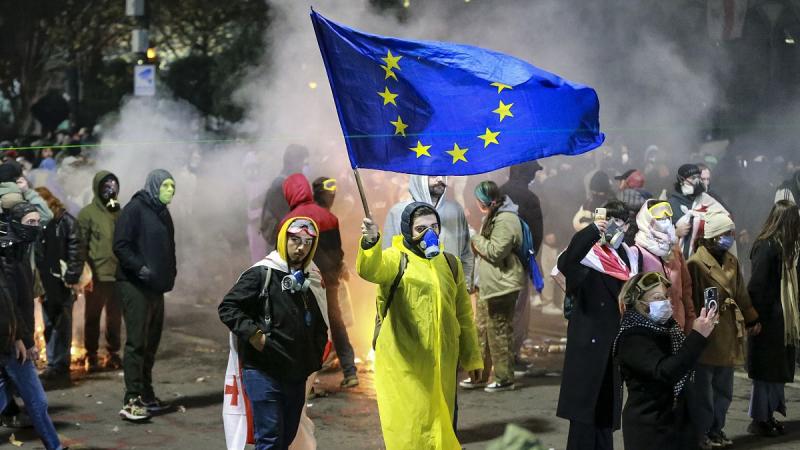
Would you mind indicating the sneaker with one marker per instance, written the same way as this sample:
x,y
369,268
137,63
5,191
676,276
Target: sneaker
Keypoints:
x,y
134,411
777,425
113,362
499,387
552,310
54,375
763,429
155,405
719,440
705,444
92,365
470,384
349,381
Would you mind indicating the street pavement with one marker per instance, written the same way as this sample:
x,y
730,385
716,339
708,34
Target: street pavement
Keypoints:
x,y
190,370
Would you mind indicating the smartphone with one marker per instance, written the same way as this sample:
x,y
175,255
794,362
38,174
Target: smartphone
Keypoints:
x,y
600,214
711,298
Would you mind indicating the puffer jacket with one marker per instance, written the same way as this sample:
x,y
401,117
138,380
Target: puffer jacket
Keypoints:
x,y
500,271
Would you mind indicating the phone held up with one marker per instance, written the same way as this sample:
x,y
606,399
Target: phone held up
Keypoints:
x,y
711,298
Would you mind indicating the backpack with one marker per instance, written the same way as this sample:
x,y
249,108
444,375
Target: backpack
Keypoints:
x,y
527,256
380,316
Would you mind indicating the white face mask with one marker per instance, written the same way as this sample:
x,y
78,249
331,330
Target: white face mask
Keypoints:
x,y
687,190
660,311
663,225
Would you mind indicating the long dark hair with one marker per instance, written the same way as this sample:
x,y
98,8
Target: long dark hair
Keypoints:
x,y
783,226
488,193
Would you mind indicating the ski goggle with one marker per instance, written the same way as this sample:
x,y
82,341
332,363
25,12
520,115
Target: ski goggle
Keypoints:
x,y
660,210
646,282
329,184
302,226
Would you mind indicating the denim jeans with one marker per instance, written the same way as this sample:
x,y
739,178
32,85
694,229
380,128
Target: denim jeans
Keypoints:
x,y
30,389
711,398
58,334
277,407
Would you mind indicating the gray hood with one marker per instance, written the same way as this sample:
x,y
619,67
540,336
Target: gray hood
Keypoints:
x,y
418,188
153,184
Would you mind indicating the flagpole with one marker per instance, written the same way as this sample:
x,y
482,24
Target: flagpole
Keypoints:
x,y
363,195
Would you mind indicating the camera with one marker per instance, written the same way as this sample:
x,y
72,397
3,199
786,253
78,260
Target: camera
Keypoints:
x,y
711,298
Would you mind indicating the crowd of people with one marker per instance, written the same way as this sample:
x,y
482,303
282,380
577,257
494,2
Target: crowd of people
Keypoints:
x,y
664,291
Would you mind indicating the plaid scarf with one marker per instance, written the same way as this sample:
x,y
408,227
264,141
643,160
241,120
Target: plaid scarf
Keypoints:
x,y
634,319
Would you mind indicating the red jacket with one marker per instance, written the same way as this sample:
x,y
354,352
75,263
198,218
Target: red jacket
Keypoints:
x,y
329,256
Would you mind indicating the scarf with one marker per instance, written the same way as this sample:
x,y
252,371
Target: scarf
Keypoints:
x,y
789,298
605,259
633,319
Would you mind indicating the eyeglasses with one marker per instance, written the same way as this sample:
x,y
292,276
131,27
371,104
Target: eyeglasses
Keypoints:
x,y
660,210
301,225
329,184
298,241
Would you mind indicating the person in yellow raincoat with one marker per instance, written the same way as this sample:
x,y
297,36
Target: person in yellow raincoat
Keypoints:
x,y
427,332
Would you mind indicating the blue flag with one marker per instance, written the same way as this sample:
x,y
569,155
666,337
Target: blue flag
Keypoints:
x,y
436,108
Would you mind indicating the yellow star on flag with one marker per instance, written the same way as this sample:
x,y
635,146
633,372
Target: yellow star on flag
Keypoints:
x,y
389,73
388,97
457,153
421,149
500,86
489,137
503,110
399,126
391,61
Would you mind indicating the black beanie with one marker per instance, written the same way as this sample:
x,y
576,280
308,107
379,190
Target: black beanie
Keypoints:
x,y
10,171
20,210
600,182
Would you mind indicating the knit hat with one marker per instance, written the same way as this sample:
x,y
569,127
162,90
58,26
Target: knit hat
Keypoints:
x,y
688,170
717,223
10,171
600,182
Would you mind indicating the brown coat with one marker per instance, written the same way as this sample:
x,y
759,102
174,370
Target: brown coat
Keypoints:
x,y
726,343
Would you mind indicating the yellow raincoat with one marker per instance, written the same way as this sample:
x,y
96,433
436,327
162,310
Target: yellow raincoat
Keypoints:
x,y
428,331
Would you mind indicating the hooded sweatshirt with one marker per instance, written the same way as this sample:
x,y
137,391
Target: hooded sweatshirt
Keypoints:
x,y
454,235
96,225
145,238
329,257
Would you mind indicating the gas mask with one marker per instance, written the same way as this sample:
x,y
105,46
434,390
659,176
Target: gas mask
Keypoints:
x,y
295,282
614,235
429,243
26,233
108,194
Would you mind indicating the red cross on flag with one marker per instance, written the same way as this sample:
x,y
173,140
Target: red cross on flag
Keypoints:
x,y
237,417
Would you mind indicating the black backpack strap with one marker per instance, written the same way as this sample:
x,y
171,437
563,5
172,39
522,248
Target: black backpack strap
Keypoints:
x,y
452,262
264,296
395,283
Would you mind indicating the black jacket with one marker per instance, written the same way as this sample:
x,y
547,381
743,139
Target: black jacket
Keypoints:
x,y
530,208
590,379
293,350
652,419
61,242
144,236
12,323
18,273
768,359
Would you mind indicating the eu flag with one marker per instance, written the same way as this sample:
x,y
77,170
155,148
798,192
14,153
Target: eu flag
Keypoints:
x,y
437,108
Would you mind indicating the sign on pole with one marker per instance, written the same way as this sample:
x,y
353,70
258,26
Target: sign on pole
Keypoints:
x,y
144,80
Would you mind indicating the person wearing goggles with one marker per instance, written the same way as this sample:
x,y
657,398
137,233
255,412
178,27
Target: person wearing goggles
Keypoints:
x,y
656,241
656,361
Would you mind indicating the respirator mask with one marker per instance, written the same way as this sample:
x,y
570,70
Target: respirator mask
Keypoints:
x,y
614,235
295,282
429,243
108,193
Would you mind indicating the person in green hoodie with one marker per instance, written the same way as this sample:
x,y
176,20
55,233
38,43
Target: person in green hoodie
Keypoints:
x,y
97,221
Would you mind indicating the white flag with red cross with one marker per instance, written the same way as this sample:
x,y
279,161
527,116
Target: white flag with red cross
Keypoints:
x,y
237,418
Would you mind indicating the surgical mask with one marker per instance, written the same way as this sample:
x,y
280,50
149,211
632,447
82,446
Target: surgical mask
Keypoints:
x,y
295,282
660,311
724,243
430,243
26,233
687,190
